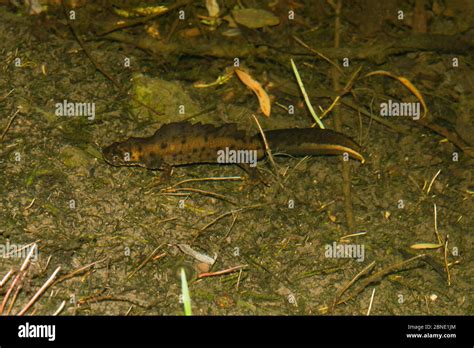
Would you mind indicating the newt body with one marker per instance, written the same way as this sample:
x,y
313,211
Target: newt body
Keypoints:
x,y
182,143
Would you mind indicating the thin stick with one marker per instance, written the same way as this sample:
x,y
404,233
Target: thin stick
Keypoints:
x,y
346,169
17,280
6,277
440,240
157,257
305,95
378,276
9,291
238,280
148,258
234,219
27,246
371,301
205,193
228,178
432,181
346,89
446,265
28,257
352,281
129,310
226,271
40,292
267,147
47,263
79,270
59,310
15,295
167,220
31,204
9,124
333,104
347,236
111,298
218,218
317,53
6,95
229,213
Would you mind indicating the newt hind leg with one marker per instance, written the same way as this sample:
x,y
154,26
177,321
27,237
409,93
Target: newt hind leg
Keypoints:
x,y
255,177
164,177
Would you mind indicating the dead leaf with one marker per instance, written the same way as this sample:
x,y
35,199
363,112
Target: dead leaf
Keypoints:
x,y
423,246
256,87
404,81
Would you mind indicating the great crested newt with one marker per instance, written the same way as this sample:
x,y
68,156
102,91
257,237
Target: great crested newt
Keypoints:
x,y
182,143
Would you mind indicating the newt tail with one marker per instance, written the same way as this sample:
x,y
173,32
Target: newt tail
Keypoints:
x,y
182,143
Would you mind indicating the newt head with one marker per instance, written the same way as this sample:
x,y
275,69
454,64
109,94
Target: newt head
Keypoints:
x,y
121,154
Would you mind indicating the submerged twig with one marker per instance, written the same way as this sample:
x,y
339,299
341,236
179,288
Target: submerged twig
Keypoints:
x,y
10,121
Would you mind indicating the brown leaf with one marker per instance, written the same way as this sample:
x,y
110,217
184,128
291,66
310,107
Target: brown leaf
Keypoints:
x,y
256,87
